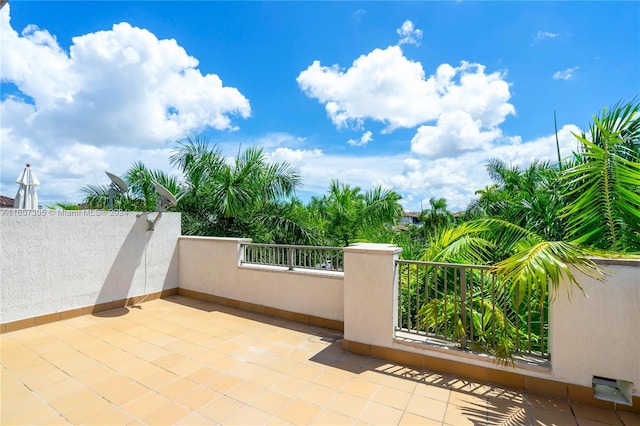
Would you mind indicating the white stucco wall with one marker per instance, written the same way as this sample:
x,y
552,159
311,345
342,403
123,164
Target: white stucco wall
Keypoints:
x,y
369,293
598,335
54,261
211,265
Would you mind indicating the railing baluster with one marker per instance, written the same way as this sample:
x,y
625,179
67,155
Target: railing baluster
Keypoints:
x,y
463,296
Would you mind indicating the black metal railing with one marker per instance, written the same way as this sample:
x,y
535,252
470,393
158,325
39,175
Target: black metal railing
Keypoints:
x,y
294,257
471,307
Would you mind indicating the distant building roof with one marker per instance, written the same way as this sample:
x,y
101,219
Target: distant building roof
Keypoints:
x,y
6,202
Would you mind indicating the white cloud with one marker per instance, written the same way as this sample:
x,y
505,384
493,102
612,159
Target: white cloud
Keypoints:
x,y
408,34
114,91
364,139
567,74
457,177
455,131
293,156
543,35
387,87
115,87
457,108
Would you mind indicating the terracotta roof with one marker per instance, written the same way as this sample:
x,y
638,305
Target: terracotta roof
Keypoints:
x,y
6,201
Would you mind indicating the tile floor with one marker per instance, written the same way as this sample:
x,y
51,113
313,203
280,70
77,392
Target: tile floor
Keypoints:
x,y
185,361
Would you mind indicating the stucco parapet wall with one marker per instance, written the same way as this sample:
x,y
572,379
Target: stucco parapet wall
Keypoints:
x,y
380,249
631,262
217,239
336,275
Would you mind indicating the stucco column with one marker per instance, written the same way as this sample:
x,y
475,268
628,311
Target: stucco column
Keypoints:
x,y
370,295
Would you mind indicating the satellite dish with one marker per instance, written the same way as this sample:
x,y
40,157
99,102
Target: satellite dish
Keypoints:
x,y
117,185
166,200
166,197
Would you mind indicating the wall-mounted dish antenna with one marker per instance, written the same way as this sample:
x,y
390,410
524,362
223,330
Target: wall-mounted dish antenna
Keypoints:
x,y
166,200
117,186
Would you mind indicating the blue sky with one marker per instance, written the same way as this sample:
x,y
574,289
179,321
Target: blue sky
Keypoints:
x,y
414,96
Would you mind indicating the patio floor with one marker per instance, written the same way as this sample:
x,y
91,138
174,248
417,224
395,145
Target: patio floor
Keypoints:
x,y
185,361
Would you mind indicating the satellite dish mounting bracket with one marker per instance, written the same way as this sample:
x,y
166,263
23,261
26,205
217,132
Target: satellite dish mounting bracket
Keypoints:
x,y
166,199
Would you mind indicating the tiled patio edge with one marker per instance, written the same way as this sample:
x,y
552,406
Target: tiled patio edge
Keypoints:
x,y
266,310
86,310
514,380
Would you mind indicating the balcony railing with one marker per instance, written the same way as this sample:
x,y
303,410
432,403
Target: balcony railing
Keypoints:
x,y
471,307
294,257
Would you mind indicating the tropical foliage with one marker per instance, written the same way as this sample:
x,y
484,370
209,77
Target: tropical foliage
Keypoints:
x,y
603,182
348,214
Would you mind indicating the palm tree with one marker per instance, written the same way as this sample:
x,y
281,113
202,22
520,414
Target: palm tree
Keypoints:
x,y
435,217
350,214
603,182
528,197
244,198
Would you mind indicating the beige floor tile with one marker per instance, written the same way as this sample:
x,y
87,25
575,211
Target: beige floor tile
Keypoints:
x,y
360,388
378,414
60,389
299,412
112,384
542,417
249,416
333,380
400,383
271,402
11,385
221,408
158,379
245,392
464,416
392,397
29,411
145,404
629,419
427,407
88,410
53,421
126,394
195,419
185,367
39,381
203,375
177,388
291,386
318,395
197,397
223,382
588,422
348,404
508,413
94,376
547,403
168,360
269,378
410,419
143,370
440,393
465,398
113,417
601,415
73,399
167,414
372,376
332,418
225,363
